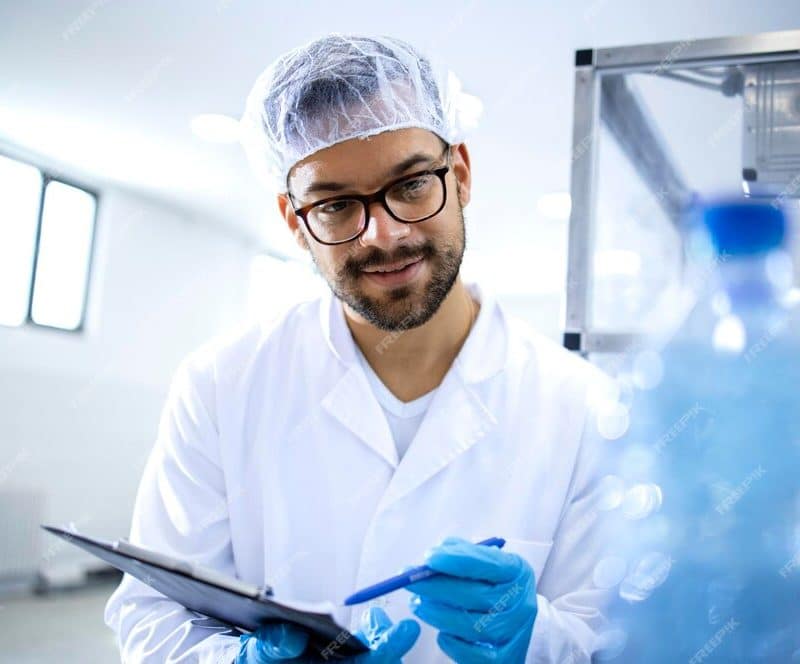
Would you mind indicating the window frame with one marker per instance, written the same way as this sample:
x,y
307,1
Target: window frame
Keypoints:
x,y
48,176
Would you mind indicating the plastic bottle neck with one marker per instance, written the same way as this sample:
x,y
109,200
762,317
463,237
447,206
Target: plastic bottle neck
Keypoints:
x,y
749,282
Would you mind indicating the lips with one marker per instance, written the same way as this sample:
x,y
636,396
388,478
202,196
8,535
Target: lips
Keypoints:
x,y
392,267
396,274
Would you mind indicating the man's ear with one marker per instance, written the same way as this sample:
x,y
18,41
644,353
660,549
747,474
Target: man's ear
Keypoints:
x,y
292,221
462,171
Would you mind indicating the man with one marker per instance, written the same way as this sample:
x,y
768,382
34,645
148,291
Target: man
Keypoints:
x,y
402,412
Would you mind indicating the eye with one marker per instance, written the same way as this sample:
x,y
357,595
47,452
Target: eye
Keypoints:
x,y
334,207
414,187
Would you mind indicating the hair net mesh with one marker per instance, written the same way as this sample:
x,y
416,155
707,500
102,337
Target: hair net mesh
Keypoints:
x,y
346,86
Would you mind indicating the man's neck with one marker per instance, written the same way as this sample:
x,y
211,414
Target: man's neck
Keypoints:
x,y
413,362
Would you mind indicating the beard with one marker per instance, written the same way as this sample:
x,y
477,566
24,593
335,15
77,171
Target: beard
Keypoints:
x,y
403,307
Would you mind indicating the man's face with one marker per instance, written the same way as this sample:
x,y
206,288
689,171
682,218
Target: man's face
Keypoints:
x,y
431,250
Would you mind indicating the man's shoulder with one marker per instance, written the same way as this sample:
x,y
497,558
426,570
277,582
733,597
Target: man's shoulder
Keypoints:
x,y
540,353
555,371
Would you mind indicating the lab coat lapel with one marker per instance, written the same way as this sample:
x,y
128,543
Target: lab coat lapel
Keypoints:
x,y
350,400
457,419
459,415
352,403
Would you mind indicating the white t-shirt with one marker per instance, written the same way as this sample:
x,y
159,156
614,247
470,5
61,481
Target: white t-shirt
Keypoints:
x,y
403,417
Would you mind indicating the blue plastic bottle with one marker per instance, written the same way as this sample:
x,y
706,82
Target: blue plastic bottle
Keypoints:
x,y
710,514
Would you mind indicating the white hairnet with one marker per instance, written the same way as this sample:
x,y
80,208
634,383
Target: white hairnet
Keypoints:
x,y
341,87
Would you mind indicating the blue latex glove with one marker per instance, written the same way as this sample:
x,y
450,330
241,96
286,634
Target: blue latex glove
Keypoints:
x,y
483,603
282,642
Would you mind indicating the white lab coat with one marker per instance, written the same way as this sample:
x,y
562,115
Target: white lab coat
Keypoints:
x,y
274,463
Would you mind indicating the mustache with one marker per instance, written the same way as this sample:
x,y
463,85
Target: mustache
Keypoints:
x,y
377,258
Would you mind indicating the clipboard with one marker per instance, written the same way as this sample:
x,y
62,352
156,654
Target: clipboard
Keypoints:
x,y
231,601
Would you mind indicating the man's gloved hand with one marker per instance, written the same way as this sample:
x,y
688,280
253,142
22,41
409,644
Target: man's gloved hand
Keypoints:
x,y
282,642
483,603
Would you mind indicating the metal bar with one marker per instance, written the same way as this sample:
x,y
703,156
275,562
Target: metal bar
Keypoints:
x,y
705,63
584,141
610,342
715,86
689,50
35,261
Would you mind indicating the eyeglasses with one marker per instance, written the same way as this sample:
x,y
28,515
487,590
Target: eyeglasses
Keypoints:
x,y
409,199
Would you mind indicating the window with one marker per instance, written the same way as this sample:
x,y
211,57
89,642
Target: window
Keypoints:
x,y
62,265
46,235
20,191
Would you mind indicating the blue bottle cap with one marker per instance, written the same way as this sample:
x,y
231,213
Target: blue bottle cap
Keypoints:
x,y
744,228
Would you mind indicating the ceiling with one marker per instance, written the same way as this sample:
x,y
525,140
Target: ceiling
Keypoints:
x,y
105,90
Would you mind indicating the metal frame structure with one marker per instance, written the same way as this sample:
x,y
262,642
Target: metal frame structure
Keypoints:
x,y
606,99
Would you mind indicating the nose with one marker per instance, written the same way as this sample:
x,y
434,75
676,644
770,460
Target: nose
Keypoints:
x,y
383,231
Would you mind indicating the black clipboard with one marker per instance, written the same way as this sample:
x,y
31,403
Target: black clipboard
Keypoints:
x,y
206,591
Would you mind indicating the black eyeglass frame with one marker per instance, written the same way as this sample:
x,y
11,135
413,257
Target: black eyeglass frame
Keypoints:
x,y
380,197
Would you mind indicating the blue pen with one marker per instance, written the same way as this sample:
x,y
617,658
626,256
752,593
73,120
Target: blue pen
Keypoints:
x,y
406,578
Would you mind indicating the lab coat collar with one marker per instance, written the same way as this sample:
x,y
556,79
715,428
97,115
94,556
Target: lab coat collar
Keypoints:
x,y
485,350
483,354
345,401
458,416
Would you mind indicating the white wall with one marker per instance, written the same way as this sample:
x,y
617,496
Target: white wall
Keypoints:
x,y
79,411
